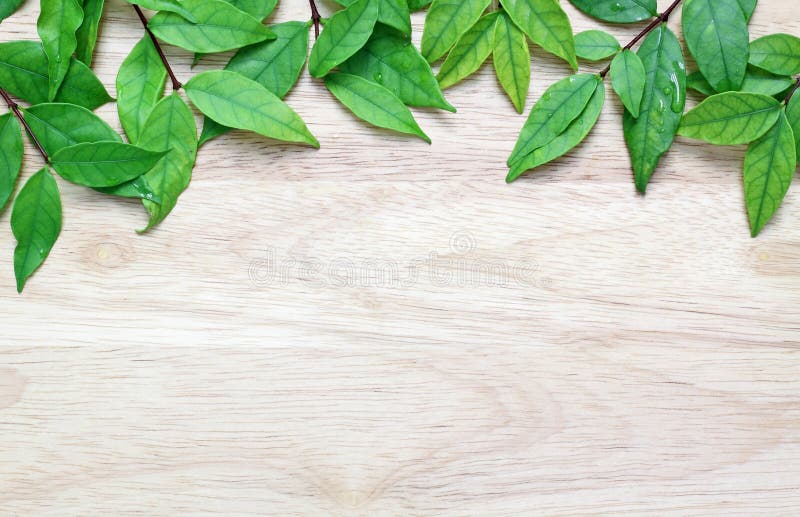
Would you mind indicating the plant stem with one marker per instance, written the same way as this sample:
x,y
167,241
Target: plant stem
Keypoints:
x,y
176,85
661,18
792,91
315,17
14,107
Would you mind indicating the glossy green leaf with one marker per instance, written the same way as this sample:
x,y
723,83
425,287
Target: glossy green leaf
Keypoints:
x,y
469,53
8,7
793,116
595,45
373,103
58,21
446,22
392,61
345,33
755,81
23,73
170,6
394,13
566,141
651,134
748,7
258,9
62,125
695,81
170,128
769,166
546,24
618,11
219,27
512,61
103,164
10,157
628,78
36,223
140,84
137,188
560,104
87,33
717,36
236,101
776,53
731,118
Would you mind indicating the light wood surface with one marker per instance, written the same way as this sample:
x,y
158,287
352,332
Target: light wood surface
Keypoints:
x,y
383,327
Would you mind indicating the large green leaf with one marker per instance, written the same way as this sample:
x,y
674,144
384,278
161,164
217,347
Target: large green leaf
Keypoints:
x,y
87,33
628,78
62,125
717,36
769,166
566,141
596,45
10,158
793,116
618,11
58,21
469,53
394,13
373,103
7,8
219,27
236,101
170,128
36,223
562,103
103,164
345,33
512,61
651,134
392,61
446,22
731,118
776,53
140,84
546,24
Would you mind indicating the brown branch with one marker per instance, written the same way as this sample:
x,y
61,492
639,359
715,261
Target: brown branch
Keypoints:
x,y
792,91
315,17
176,85
14,107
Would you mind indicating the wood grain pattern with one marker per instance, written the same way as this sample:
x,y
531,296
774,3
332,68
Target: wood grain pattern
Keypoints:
x,y
383,327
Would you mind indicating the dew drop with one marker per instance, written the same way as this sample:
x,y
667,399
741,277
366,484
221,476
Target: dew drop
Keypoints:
x,y
378,77
678,100
616,7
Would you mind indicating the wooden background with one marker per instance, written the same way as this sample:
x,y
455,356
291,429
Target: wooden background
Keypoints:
x,y
386,327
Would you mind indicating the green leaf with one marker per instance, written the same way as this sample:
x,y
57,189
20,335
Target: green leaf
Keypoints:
x,y
63,125
717,36
566,141
776,53
8,7
373,103
562,103
755,81
10,158
170,6
446,22
695,81
748,7
140,84
258,9
416,5
394,13
731,118
618,11
170,128
595,45
469,53
36,223
392,61
546,24
137,188
651,134
236,101
23,73
512,61
219,27
57,24
769,166
793,116
628,78
103,164
345,33
87,32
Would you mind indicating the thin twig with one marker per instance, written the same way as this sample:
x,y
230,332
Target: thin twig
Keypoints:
x,y
792,91
14,107
315,17
176,85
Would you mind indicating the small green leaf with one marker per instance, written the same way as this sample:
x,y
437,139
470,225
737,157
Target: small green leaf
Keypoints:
x,y
10,158
769,166
236,101
345,33
63,125
170,6
469,53
140,84
103,164
731,118
562,103
219,27
748,7
618,11
57,24
373,103
776,53
36,223
446,22
8,7
512,61
595,45
628,79
566,141
793,116
258,9
546,24
87,33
